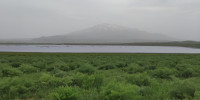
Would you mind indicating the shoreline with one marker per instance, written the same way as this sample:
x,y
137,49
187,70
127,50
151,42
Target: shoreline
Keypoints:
x,y
174,44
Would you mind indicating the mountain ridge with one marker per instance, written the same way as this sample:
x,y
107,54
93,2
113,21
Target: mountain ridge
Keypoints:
x,y
105,33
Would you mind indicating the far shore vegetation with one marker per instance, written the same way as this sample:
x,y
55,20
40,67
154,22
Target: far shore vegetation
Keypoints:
x,y
191,44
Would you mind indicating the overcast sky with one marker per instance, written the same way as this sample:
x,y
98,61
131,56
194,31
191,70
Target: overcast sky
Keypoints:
x,y
35,18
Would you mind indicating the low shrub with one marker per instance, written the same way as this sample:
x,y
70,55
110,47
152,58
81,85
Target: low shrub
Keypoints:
x,y
163,73
186,73
15,64
40,65
121,64
182,91
134,68
16,87
9,72
47,80
93,81
139,79
66,93
88,81
88,69
120,91
77,80
25,68
182,66
73,66
107,67
60,65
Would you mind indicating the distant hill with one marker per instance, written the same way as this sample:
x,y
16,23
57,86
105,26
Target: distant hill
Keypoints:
x,y
105,33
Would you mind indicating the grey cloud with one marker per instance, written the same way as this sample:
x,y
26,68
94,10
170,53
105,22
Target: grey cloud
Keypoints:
x,y
35,18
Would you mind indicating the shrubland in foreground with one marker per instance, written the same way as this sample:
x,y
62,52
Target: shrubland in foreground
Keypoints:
x,y
99,76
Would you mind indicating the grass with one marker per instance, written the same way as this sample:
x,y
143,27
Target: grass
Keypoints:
x,y
106,76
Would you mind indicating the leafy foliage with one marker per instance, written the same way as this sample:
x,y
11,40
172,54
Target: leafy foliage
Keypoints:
x,y
60,76
88,69
183,91
66,93
120,91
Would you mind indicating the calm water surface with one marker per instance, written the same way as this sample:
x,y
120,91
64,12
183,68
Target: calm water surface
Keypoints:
x,y
96,49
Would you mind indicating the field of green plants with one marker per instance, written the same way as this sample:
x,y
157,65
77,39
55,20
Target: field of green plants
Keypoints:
x,y
60,76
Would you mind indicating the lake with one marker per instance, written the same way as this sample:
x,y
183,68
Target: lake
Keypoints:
x,y
96,49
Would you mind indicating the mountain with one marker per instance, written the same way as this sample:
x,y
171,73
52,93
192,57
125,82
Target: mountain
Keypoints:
x,y
105,33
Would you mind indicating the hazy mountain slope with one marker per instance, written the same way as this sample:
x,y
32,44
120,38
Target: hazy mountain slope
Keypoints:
x,y
105,33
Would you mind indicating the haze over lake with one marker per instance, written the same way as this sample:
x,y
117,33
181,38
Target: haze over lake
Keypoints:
x,y
96,49
122,22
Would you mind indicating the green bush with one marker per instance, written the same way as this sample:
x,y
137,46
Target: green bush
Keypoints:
x,y
2,66
134,68
163,73
157,90
139,79
88,81
107,67
151,67
50,68
47,80
66,93
88,69
146,91
93,81
98,80
26,68
40,65
58,65
182,66
62,66
182,91
9,71
17,87
186,73
120,91
166,63
59,73
38,76
15,64
121,64
73,66
77,80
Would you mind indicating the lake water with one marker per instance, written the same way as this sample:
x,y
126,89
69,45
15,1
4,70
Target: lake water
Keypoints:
x,y
96,49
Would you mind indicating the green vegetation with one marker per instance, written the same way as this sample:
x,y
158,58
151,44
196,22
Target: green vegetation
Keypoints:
x,y
62,76
190,44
